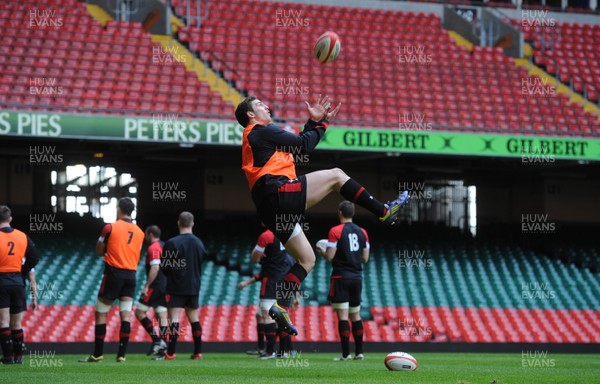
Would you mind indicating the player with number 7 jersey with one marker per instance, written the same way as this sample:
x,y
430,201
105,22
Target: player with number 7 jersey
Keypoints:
x,y
120,244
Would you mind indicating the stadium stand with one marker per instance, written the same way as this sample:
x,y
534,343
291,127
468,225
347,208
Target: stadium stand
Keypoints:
x,y
93,69
473,292
482,90
111,70
568,51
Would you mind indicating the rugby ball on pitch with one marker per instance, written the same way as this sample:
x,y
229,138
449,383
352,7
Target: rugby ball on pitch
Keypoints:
x,y
322,244
327,48
400,361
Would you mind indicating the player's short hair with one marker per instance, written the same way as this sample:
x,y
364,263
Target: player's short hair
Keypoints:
x,y
241,112
153,230
186,219
4,214
126,205
347,209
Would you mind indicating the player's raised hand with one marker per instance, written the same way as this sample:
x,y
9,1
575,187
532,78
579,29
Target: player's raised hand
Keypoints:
x,y
332,113
319,110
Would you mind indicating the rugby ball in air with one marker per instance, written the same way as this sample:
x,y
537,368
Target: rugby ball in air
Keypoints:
x,y
400,361
327,48
322,245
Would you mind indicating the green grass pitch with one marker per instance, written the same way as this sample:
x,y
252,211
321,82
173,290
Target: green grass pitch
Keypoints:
x,y
446,368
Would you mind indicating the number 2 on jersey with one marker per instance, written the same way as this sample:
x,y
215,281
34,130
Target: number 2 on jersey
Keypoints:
x,y
11,248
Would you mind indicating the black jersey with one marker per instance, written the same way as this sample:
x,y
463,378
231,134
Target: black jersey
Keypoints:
x,y
349,240
268,154
277,261
182,264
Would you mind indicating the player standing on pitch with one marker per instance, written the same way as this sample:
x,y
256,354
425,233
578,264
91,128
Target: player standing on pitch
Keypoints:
x,y
120,244
18,256
182,266
153,293
279,194
347,249
275,263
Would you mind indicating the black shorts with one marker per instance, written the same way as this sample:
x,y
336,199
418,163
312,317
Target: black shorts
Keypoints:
x,y
183,301
154,298
115,286
283,209
344,290
13,297
268,288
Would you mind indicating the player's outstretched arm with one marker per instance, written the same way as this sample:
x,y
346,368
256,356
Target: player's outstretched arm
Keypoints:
x,y
246,283
322,109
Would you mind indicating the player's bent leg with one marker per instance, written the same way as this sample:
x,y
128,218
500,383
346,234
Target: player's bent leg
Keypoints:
x,y
299,247
163,322
160,347
319,184
265,314
141,313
